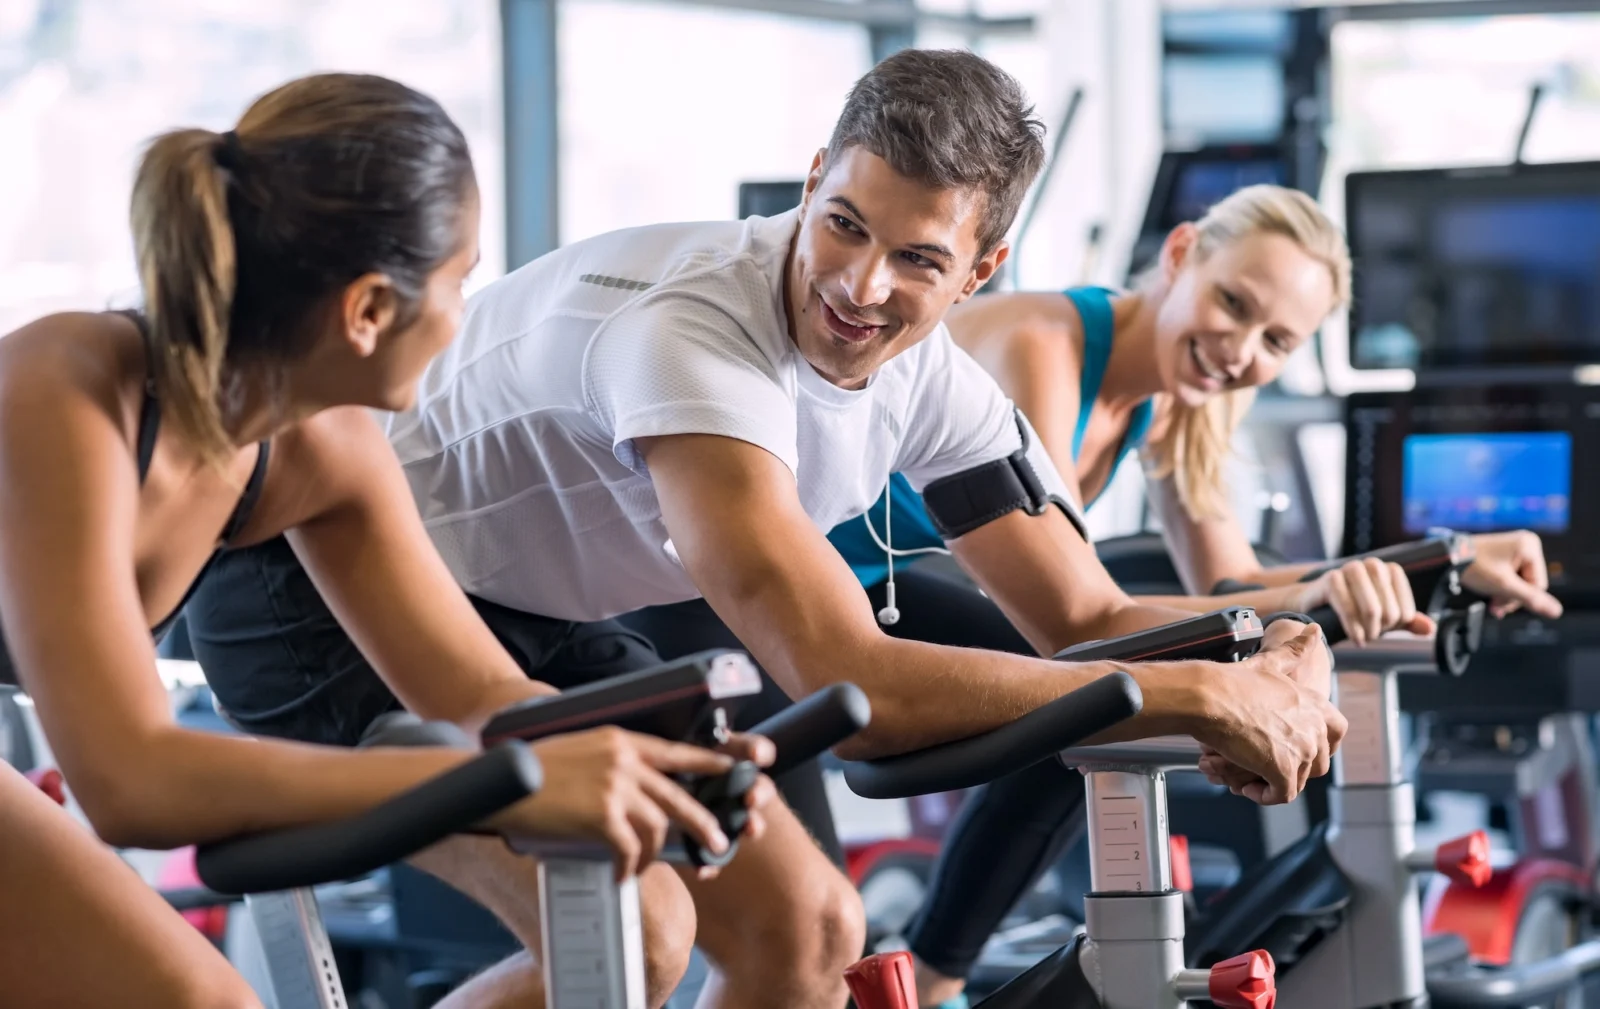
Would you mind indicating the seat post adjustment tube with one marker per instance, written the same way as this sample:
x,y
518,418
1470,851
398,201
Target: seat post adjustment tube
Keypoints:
x,y
1375,956
1134,917
593,939
1371,752
1128,844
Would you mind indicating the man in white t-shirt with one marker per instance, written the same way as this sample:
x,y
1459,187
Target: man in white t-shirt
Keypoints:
x,y
683,411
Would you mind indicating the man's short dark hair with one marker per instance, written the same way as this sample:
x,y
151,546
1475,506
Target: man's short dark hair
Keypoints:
x,y
950,119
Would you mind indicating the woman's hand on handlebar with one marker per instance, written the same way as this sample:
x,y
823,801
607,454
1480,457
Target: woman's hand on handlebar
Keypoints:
x,y
613,786
1510,570
1274,727
1370,597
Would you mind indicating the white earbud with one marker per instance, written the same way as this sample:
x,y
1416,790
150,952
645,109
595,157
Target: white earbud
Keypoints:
x,y
890,614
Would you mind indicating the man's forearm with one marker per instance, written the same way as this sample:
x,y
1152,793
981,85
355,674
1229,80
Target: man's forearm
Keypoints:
x,y
924,694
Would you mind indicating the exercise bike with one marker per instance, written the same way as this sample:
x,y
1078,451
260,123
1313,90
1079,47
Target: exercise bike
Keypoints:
x,y
1131,955
1337,915
593,949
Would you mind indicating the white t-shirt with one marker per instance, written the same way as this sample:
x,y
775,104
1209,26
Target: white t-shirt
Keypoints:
x,y
520,450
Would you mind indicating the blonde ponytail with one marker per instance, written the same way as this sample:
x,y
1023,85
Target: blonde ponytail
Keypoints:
x,y
1191,444
184,245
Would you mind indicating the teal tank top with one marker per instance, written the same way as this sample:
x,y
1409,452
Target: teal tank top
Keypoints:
x,y
913,530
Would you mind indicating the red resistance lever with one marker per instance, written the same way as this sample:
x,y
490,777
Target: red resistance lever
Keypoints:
x,y
1182,873
1466,859
883,981
1248,981
49,781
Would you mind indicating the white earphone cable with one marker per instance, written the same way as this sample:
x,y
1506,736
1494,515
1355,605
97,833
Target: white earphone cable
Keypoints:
x,y
888,550
890,614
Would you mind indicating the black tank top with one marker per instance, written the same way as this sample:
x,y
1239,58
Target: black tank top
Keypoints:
x,y
149,427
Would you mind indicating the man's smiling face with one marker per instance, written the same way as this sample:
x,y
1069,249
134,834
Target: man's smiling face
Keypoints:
x,y
878,260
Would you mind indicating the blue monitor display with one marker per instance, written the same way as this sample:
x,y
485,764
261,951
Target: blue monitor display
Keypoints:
x,y
1484,482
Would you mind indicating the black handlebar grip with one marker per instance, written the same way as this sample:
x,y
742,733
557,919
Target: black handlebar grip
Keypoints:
x,y
724,796
451,803
817,723
1038,735
799,732
1323,616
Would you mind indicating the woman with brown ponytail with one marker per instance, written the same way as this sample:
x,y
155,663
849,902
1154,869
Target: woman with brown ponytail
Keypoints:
x,y
297,271
1167,368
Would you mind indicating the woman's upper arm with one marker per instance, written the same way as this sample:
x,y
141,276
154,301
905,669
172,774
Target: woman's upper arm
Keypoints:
x,y
366,550
69,597
1038,366
1206,550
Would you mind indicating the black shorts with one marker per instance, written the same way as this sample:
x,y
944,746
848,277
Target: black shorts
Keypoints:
x,y
280,665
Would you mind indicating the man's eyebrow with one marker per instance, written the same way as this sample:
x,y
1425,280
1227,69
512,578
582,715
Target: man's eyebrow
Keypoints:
x,y
855,211
936,249
932,247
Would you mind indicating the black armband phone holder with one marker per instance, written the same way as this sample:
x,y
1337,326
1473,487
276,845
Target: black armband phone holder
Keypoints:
x,y
962,502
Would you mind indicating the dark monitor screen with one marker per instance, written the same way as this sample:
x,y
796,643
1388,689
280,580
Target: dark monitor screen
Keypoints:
x,y
1199,184
1188,183
1459,269
1479,459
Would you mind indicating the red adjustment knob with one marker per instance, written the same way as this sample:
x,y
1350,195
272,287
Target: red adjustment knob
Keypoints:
x,y
50,782
883,981
1245,982
1466,859
1182,874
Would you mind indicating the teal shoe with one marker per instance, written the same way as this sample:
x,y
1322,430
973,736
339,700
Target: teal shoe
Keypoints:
x,y
959,1002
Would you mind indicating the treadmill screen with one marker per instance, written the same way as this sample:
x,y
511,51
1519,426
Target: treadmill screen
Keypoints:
x,y
1475,268
1479,459
1487,482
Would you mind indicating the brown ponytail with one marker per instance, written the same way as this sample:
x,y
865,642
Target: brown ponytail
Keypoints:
x,y
241,236
185,250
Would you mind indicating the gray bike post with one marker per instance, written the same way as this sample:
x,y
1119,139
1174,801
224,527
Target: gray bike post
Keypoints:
x,y
296,953
1133,916
593,939
1375,957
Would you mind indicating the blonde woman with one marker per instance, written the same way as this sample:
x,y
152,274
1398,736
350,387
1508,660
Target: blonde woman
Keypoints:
x,y
1168,368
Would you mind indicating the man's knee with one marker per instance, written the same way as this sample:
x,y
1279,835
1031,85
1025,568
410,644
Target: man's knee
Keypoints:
x,y
841,925
668,918
814,934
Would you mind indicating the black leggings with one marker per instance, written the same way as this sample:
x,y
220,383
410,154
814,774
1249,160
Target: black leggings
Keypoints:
x,y
1008,832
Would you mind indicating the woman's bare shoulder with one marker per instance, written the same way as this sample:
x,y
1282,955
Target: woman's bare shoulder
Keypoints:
x,y
1017,315
1025,329
98,355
